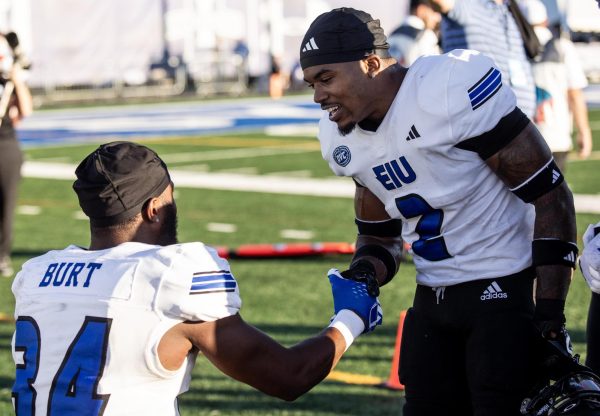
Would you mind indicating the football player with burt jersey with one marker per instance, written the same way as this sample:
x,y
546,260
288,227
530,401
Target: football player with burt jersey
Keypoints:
x,y
121,301
115,329
431,170
442,157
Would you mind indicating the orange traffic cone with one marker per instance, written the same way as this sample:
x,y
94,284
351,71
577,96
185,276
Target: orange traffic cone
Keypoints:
x,y
393,382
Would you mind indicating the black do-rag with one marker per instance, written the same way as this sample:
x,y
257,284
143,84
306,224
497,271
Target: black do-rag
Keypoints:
x,y
115,181
342,35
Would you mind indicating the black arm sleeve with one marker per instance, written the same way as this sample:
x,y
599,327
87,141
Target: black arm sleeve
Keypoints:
x,y
488,143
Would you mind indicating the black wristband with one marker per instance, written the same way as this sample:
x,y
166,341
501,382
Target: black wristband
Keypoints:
x,y
553,251
380,253
542,182
388,228
362,270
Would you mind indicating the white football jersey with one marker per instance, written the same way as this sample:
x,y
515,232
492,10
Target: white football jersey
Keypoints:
x,y
464,224
88,324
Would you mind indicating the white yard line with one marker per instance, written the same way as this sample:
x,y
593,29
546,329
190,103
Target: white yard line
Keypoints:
x,y
334,187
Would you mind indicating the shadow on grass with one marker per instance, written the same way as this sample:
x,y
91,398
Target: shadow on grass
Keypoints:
x,y
326,399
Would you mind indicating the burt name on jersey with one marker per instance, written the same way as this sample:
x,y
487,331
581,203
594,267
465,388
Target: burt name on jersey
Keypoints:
x,y
69,274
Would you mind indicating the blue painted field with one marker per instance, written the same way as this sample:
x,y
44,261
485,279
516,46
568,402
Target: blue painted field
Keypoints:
x,y
76,125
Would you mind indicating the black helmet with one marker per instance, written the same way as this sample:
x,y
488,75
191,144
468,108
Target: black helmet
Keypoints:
x,y
576,394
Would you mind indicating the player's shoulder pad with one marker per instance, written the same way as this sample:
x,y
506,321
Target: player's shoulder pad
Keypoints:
x,y
475,78
200,285
195,252
456,80
192,260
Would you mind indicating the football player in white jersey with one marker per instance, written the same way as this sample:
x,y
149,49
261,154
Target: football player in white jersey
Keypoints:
x,y
115,329
442,158
590,268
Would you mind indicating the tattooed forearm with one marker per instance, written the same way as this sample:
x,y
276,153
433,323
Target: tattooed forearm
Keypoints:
x,y
515,164
555,215
521,158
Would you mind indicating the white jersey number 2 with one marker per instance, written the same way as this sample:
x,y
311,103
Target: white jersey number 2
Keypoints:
x,y
74,387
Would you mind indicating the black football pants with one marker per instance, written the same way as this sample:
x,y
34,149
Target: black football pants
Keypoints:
x,y
468,349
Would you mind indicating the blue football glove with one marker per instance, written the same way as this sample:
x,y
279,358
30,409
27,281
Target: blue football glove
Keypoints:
x,y
354,296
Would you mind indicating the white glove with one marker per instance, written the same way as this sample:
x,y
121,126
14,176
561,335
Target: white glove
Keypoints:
x,y
589,262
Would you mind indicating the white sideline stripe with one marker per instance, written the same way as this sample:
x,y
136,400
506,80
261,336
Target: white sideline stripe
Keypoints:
x,y
250,170
336,187
268,184
291,173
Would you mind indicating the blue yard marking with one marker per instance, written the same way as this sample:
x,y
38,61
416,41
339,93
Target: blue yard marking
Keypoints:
x,y
71,126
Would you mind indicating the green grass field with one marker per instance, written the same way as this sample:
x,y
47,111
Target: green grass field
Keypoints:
x,y
287,298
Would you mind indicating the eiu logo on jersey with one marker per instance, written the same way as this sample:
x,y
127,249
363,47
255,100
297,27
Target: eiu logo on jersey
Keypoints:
x,y
485,88
391,175
342,155
412,133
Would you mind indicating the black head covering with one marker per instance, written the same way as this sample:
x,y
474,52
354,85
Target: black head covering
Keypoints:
x,y
115,181
342,35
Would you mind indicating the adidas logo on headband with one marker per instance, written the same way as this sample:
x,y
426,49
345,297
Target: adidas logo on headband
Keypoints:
x,y
310,45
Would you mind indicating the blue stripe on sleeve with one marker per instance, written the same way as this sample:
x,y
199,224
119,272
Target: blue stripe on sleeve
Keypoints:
x,y
493,77
479,89
487,97
486,89
213,285
212,277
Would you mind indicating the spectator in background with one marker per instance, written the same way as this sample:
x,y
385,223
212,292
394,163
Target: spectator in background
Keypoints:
x,y
241,48
416,36
276,78
556,17
559,80
490,27
15,103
